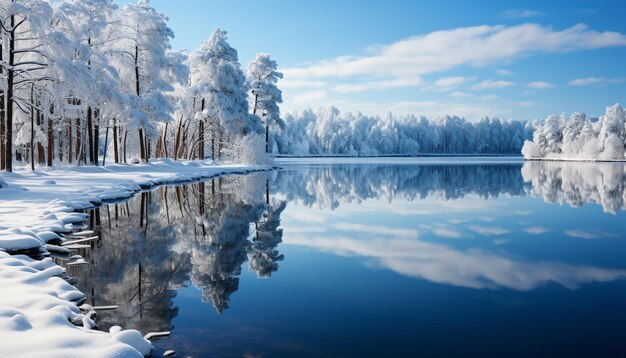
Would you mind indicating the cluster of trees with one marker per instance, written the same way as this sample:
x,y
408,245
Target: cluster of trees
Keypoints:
x,y
580,137
81,78
329,132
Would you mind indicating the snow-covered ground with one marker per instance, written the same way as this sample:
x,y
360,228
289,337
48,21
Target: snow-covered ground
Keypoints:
x,y
39,315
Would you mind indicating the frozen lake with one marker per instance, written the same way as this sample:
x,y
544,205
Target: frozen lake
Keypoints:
x,y
372,257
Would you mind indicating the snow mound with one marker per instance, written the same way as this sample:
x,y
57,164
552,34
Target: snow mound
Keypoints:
x,y
36,304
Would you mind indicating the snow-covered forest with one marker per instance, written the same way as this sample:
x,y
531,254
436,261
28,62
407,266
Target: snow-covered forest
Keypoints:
x,y
86,80
327,131
580,137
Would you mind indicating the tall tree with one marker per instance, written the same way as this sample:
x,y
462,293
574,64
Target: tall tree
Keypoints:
x,y
262,76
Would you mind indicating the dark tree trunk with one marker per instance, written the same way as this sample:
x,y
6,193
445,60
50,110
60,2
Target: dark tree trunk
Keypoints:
x,y
70,145
96,142
177,142
2,116
116,153
267,139
201,135
90,134
125,141
106,140
50,142
142,145
78,142
8,150
32,129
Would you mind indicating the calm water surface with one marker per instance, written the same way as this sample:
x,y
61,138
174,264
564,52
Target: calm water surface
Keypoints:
x,y
416,257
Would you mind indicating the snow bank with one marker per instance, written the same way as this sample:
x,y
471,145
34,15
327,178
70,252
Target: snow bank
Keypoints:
x,y
39,313
32,204
38,316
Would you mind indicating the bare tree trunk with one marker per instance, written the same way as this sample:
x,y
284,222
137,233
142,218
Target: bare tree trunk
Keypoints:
x,y
125,141
8,149
177,142
78,142
70,155
165,141
106,140
148,149
96,140
90,133
32,128
201,135
50,142
142,145
116,153
267,139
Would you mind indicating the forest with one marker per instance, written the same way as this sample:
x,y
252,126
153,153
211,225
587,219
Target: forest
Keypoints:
x,y
80,79
83,82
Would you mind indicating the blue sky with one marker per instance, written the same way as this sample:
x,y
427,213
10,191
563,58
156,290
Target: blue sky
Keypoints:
x,y
522,59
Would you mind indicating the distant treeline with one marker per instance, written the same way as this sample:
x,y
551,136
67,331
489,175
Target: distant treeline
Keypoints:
x,y
327,131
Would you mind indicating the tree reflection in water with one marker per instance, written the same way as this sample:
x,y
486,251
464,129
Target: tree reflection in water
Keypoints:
x,y
161,240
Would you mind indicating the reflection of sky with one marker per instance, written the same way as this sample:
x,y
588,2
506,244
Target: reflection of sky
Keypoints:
x,y
515,242
370,265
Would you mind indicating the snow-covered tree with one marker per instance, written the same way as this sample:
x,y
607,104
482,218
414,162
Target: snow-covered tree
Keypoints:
x,y
265,96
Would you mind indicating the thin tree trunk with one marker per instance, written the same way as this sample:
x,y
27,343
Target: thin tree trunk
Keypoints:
x,y
115,142
142,145
125,141
165,141
90,134
267,139
50,142
177,142
32,128
106,140
96,142
70,155
2,115
78,142
201,135
8,154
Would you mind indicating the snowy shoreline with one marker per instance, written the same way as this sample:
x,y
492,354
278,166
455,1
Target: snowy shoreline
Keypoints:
x,y
36,301
575,160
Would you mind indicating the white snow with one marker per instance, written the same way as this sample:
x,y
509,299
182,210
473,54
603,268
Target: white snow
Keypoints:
x,y
39,316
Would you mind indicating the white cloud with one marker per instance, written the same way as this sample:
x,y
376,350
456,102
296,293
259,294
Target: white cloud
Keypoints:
x,y
540,85
307,98
459,94
377,230
446,84
488,230
443,230
489,97
598,81
379,85
443,50
472,268
289,83
403,64
536,230
491,84
503,72
588,235
525,104
520,13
